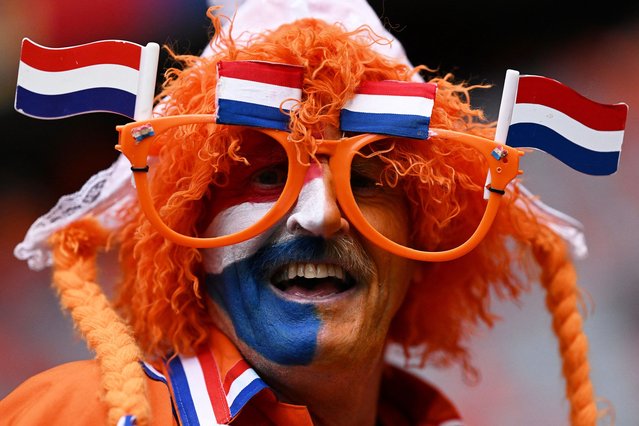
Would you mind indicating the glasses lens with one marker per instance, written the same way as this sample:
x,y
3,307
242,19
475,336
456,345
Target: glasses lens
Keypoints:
x,y
255,174
425,195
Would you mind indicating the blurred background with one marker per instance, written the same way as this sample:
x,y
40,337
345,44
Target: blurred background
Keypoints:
x,y
593,49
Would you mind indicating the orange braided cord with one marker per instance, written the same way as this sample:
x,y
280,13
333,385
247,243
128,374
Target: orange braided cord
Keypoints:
x,y
123,381
560,281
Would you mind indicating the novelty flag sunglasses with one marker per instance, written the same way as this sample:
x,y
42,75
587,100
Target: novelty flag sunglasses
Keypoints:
x,y
274,171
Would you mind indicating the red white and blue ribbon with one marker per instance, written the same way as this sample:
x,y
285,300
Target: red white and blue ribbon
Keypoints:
x,y
206,398
397,108
127,420
104,76
554,118
259,94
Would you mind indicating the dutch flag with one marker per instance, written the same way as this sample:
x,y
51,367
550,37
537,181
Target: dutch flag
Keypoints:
x,y
398,108
554,118
257,93
104,76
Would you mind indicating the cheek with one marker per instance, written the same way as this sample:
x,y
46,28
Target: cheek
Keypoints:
x,y
396,273
237,218
240,203
229,221
281,331
390,218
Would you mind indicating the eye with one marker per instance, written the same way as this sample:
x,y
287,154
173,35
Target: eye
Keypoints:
x,y
270,177
365,175
360,181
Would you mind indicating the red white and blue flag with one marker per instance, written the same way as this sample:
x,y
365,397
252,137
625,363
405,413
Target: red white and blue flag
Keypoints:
x,y
256,93
104,76
554,118
397,108
196,386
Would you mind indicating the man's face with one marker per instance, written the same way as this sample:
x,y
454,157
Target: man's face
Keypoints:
x,y
310,289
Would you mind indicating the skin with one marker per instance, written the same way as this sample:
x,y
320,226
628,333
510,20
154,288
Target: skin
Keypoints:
x,y
335,360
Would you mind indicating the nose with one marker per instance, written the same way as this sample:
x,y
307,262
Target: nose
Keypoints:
x,y
317,212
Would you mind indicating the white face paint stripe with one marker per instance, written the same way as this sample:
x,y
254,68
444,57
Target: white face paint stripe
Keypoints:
x,y
229,221
310,210
237,218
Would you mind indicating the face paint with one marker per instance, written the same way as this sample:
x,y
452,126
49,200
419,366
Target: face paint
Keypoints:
x,y
280,330
334,308
308,214
310,210
238,278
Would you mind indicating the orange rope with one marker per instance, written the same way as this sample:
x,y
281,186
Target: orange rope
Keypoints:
x,y
75,249
562,299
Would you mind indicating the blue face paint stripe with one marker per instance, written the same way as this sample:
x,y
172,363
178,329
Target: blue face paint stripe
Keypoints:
x,y
280,330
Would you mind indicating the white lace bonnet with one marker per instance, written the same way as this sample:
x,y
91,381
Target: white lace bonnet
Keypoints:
x,y
106,192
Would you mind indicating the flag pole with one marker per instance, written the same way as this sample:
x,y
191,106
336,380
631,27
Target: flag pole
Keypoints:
x,y
146,81
508,96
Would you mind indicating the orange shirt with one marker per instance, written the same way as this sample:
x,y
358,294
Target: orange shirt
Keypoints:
x,y
216,386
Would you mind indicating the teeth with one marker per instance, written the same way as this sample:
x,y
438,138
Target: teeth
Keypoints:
x,y
292,271
310,270
331,270
321,271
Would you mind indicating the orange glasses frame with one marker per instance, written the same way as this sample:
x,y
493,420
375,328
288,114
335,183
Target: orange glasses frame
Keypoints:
x,y
340,153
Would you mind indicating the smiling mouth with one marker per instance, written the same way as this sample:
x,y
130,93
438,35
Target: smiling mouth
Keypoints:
x,y
312,280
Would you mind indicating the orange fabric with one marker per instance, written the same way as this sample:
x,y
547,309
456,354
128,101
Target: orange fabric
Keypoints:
x,y
70,394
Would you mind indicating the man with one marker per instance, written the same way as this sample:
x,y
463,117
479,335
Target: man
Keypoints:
x,y
261,284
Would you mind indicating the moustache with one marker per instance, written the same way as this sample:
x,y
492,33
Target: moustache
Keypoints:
x,y
341,250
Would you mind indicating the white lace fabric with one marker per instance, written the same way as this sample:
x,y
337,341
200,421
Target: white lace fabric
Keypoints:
x,y
104,195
